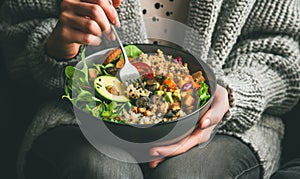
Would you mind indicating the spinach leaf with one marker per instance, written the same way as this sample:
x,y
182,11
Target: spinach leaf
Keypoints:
x,y
69,71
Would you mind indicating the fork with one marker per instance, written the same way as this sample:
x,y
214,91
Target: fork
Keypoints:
x,y
128,73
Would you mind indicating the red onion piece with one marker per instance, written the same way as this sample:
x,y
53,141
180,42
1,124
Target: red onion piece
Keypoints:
x,y
178,59
186,86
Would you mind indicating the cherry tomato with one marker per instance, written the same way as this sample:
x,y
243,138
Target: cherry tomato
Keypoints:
x,y
144,69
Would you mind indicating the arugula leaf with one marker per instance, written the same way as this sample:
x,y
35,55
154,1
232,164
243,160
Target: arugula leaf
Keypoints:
x,y
106,114
102,69
67,94
77,78
85,67
203,94
85,95
95,111
112,105
83,98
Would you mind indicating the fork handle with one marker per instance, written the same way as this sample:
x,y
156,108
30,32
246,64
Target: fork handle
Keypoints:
x,y
120,43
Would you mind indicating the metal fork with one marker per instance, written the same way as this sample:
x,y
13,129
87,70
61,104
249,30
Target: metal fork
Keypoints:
x,y
128,73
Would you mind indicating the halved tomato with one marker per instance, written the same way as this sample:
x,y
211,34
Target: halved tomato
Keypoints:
x,y
144,69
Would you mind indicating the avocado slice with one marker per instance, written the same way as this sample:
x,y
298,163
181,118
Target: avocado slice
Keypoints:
x,y
176,94
102,83
160,92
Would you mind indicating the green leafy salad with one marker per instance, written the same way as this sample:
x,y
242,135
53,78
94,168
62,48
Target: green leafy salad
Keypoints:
x,y
168,91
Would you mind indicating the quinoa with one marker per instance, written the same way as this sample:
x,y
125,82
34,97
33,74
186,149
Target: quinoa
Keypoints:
x,y
158,108
162,64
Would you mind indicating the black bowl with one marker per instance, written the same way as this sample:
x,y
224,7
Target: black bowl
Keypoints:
x,y
103,131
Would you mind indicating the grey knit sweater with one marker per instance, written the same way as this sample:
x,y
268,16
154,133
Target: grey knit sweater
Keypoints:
x,y
253,46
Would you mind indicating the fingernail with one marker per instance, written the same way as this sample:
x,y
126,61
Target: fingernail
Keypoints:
x,y
205,123
112,36
155,154
95,40
117,23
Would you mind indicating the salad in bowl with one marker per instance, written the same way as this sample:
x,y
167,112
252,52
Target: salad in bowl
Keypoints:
x,y
176,90
168,90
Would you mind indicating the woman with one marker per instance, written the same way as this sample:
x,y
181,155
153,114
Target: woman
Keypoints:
x,y
252,45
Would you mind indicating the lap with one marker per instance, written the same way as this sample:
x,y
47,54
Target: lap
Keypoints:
x,y
225,157
289,170
65,153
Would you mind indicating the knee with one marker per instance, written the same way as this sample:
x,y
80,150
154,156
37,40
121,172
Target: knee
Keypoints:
x,y
231,158
224,158
65,153
87,162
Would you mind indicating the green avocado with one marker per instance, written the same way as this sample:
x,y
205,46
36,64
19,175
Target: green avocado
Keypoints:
x,y
102,83
160,93
176,94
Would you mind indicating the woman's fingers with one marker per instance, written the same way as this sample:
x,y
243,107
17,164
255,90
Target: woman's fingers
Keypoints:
x,y
116,3
218,108
83,24
88,10
201,135
108,9
170,150
69,35
155,162
76,36
197,137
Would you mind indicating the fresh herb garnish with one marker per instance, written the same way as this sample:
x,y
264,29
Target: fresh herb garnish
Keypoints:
x,y
79,91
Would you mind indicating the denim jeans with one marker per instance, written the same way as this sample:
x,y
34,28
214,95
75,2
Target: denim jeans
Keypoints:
x,y
64,153
290,170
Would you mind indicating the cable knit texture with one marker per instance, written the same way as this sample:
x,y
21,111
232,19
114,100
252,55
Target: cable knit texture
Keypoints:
x,y
132,27
252,45
254,49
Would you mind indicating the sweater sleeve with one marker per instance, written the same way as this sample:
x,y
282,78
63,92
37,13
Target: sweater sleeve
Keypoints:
x,y
262,72
261,81
25,27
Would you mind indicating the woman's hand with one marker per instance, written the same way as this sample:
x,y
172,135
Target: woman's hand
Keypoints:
x,y
81,22
200,135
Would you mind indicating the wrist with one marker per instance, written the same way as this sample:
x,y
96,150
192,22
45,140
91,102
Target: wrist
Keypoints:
x,y
61,50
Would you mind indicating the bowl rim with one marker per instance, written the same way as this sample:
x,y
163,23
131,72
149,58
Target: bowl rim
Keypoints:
x,y
201,62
